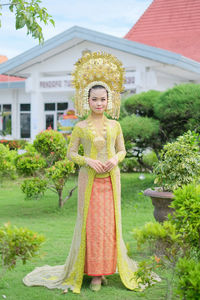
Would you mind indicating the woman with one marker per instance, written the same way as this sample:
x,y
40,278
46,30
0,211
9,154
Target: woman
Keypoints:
x,y
97,247
101,254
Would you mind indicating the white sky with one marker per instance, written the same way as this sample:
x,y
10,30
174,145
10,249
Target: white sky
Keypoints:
x,y
115,17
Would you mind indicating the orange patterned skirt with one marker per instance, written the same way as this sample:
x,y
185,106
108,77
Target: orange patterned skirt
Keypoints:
x,y
101,251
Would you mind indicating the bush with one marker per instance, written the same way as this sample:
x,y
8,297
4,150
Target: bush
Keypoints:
x,y
34,188
150,158
28,163
178,109
18,244
179,162
186,217
7,165
129,165
51,143
143,103
14,144
46,158
164,239
59,172
188,271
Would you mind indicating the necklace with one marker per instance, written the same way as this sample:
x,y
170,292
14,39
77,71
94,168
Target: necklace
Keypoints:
x,y
99,140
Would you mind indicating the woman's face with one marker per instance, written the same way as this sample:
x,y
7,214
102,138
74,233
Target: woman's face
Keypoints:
x,y
98,100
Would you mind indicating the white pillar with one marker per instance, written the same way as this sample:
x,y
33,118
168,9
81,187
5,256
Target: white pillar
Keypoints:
x,y
37,106
15,115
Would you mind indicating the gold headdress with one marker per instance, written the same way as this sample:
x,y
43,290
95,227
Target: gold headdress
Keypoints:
x,y
98,69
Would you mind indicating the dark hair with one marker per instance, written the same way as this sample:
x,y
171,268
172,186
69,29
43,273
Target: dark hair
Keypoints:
x,y
95,87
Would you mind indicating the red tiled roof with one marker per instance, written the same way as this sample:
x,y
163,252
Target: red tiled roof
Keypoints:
x,y
6,78
171,25
3,58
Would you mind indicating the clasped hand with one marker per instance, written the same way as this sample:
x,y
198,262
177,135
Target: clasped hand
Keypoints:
x,y
100,167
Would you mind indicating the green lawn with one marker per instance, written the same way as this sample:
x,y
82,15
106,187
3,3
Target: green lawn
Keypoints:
x,y
57,225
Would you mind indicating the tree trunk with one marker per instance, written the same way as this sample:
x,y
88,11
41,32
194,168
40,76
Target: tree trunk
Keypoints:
x,y
61,203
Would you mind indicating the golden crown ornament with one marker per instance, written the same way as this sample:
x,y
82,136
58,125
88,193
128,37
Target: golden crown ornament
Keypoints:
x,y
98,68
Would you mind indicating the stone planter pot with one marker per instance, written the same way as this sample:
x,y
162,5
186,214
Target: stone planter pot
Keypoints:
x,y
161,202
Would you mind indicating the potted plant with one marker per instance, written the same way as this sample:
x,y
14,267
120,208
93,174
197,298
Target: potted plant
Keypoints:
x,y
179,164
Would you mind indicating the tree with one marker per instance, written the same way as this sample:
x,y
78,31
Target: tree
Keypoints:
x,y
29,14
152,119
46,162
7,165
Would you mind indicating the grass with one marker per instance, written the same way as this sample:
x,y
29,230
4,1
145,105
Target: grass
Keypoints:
x,y
57,225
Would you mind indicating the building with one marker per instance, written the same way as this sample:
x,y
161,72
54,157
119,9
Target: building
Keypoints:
x,y
170,25
38,82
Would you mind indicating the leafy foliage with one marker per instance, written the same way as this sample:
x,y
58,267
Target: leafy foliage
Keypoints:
x,y
28,163
179,162
34,188
18,244
150,158
7,165
187,213
46,159
175,244
163,238
142,104
29,14
178,110
156,118
188,271
139,133
51,144
14,144
59,172
129,165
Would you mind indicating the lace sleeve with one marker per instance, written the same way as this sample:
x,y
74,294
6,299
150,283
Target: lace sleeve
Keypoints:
x,y
72,151
119,145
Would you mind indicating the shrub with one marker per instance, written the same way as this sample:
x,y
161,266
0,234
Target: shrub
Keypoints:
x,y
59,172
186,217
14,144
164,239
188,271
34,188
178,109
46,158
179,162
142,103
51,143
7,159
129,165
28,163
150,158
18,244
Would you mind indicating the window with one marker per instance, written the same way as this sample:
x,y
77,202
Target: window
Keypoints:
x,y
6,119
53,112
62,106
25,120
49,106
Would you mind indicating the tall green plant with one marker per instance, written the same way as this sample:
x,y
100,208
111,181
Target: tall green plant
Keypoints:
x,y
186,216
179,162
7,162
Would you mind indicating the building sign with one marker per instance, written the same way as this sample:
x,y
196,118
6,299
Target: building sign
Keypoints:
x,y
53,84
